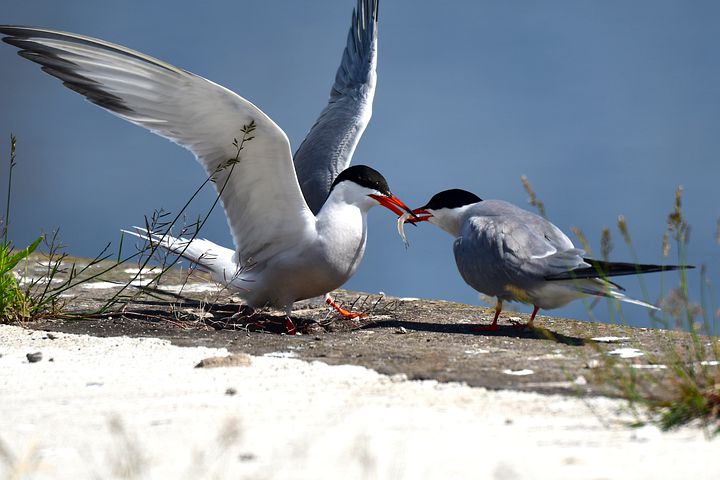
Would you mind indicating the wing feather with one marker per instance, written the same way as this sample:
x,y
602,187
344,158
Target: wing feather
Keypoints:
x,y
496,249
328,148
195,113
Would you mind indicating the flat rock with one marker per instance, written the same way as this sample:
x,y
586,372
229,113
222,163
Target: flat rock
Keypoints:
x,y
422,339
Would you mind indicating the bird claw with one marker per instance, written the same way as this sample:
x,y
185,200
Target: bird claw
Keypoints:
x,y
346,314
351,315
516,324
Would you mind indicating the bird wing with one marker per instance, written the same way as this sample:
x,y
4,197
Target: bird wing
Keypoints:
x,y
263,203
328,148
516,244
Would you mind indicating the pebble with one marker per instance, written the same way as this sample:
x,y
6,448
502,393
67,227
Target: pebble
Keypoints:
x,y
34,357
236,360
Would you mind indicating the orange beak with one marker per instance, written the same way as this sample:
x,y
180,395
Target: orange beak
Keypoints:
x,y
392,203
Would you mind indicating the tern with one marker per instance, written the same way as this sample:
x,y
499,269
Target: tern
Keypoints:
x,y
298,225
512,254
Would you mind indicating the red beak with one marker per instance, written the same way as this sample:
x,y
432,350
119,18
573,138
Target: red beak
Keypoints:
x,y
421,215
392,203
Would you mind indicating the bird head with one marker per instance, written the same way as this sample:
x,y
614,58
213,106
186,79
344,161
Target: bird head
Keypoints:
x,y
445,208
363,185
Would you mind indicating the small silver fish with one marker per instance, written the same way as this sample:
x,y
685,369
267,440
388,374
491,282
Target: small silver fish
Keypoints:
x,y
401,227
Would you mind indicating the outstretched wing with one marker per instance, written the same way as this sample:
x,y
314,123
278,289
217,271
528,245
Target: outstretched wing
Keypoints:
x,y
328,148
206,118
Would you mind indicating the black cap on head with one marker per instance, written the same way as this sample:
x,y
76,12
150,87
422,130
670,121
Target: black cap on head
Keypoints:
x,y
454,198
365,177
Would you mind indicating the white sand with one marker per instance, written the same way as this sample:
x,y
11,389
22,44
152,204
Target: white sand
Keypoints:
x,y
136,408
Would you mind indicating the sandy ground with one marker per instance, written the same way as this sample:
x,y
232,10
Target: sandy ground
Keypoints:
x,y
137,408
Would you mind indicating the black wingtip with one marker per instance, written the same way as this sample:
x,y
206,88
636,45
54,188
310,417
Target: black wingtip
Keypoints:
x,y
602,269
52,62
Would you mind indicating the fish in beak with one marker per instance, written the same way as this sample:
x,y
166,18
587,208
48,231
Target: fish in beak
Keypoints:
x,y
413,217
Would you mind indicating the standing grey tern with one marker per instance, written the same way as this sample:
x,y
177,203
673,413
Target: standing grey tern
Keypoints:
x,y
299,227
509,253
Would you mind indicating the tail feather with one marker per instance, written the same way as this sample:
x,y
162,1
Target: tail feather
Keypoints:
x,y
626,299
603,288
204,253
599,268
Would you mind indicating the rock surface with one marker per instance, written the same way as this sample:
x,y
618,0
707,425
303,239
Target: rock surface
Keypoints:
x,y
122,396
422,339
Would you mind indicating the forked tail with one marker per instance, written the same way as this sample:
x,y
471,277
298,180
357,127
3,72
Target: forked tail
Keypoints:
x,y
602,269
603,288
203,253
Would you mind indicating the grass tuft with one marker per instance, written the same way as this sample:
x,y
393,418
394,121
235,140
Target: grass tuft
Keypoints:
x,y
691,391
25,298
687,388
16,304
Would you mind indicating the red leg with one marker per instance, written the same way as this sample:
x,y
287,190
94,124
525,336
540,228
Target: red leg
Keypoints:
x,y
493,326
532,318
290,326
344,313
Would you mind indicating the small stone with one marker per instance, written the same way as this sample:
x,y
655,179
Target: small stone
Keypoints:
x,y
401,330
51,336
398,377
237,360
231,391
594,363
34,357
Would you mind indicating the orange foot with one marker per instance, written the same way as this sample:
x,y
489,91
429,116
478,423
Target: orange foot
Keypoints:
x,y
344,313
